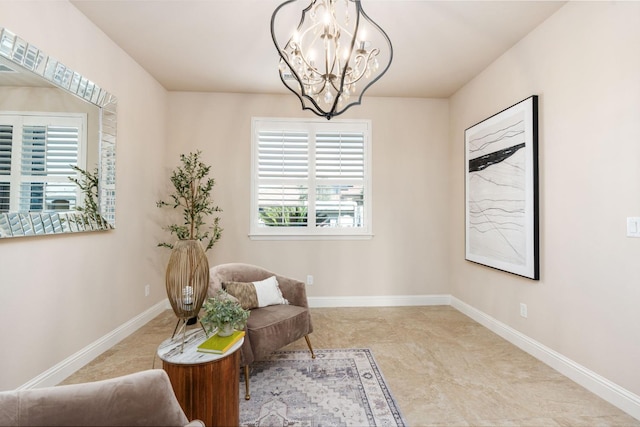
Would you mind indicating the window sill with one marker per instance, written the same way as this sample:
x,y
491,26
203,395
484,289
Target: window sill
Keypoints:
x,y
363,236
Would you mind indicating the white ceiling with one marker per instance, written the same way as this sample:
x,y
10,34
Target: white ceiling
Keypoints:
x,y
226,46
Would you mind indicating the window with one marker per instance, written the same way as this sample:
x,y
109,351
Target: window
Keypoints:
x,y
37,152
311,178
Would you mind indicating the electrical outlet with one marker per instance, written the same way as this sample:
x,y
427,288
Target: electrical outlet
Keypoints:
x,y
309,279
147,290
523,310
633,227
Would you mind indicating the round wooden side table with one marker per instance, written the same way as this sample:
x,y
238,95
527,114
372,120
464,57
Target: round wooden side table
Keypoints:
x,y
206,384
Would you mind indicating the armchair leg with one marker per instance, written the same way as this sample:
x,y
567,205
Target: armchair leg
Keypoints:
x,y
313,355
247,396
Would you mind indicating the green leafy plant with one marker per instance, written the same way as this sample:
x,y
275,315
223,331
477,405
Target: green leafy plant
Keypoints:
x,y
90,212
221,310
284,216
192,193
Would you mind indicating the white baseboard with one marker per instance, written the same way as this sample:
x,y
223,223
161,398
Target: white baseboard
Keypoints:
x,y
379,301
71,364
598,385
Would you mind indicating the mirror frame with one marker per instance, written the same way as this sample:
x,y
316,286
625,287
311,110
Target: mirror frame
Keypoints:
x,y
29,58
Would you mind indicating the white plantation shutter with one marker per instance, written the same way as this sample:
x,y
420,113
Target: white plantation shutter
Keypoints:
x,y
340,173
283,155
339,155
34,149
6,137
283,171
38,157
49,150
48,153
310,178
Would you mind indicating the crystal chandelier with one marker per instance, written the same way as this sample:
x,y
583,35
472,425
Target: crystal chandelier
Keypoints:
x,y
334,54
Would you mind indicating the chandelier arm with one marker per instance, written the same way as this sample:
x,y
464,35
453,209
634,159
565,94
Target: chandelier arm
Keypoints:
x,y
282,52
365,59
389,45
310,67
384,70
343,73
315,76
317,110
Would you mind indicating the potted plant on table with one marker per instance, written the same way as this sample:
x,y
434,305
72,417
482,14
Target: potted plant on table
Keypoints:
x,y
187,276
223,313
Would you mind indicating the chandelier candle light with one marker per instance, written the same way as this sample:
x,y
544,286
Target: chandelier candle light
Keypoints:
x,y
335,53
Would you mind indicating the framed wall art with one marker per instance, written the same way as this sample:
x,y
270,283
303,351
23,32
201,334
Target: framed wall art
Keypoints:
x,y
501,190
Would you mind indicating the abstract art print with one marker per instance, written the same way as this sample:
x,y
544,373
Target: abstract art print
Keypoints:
x,y
501,191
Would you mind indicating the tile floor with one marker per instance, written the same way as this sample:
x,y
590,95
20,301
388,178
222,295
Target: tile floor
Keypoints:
x,y
443,368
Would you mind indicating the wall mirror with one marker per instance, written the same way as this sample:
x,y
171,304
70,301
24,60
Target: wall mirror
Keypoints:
x,y
57,145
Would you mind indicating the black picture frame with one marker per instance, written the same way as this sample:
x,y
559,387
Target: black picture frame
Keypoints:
x,y
501,190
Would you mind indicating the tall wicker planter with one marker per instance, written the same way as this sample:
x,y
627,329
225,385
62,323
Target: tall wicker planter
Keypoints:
x,y
187,278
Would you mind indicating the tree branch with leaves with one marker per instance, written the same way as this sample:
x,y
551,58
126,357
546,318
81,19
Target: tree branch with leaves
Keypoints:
x,y
89,183
192,193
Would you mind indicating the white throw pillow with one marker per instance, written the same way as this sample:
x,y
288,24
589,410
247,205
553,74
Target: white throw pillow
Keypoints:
x,y
269,293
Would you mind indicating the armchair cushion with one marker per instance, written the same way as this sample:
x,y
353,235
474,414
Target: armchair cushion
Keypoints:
x,y
256,294
273,327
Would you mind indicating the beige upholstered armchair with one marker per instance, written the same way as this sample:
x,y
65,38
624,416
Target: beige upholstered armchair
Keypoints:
x,y
141,399
268,328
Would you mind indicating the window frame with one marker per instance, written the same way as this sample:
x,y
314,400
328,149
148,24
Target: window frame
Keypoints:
x,y
311,231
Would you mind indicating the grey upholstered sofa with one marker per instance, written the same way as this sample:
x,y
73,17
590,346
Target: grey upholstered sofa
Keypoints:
x,y
140,399
268,328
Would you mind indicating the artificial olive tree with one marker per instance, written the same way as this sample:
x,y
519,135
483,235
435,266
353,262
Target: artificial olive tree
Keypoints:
x,y
192,193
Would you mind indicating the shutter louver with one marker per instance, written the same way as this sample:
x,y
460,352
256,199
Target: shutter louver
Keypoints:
x,y
6,136
339,155
283,155
34,139
339,159
283,158
48,151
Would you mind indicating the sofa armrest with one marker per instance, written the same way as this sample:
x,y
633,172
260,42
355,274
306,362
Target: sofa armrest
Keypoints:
x,y
142,398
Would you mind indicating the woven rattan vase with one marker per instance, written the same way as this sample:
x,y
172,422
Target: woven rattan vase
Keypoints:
x,y
187,278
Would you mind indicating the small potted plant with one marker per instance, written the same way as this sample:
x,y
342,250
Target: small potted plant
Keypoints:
x,y
223,313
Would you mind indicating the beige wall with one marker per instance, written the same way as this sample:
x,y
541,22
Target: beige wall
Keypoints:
x,y
584,63
58,294
409,155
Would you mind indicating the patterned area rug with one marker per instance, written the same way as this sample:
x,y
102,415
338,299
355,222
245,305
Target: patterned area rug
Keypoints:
x,y
339,388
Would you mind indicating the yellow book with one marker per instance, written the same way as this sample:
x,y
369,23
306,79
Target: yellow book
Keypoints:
x,y
219,345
